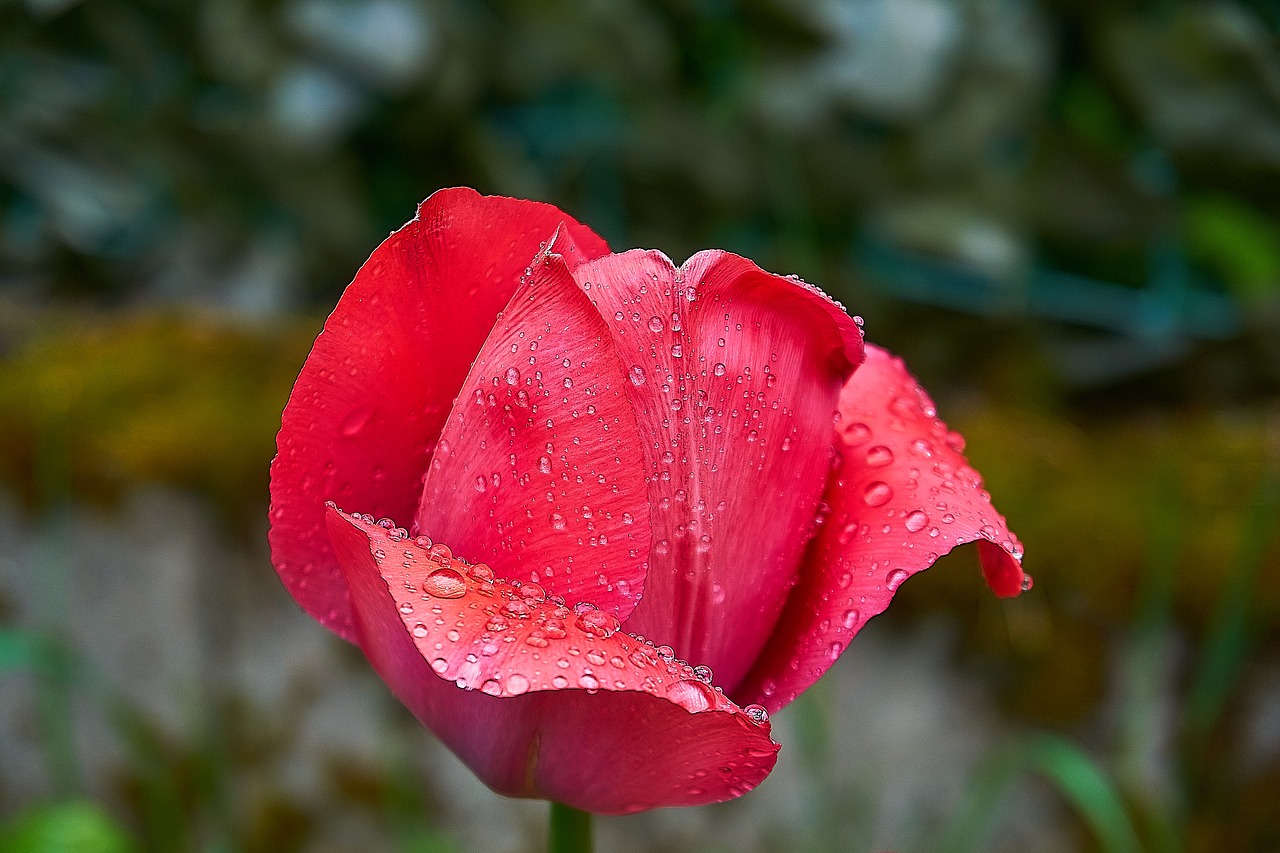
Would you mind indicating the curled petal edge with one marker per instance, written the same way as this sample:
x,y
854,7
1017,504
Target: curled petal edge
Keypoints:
x,y
901,496
539,699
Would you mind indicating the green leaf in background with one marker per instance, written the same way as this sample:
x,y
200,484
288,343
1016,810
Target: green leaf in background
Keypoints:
x,y
77,827
1234,242
1071,772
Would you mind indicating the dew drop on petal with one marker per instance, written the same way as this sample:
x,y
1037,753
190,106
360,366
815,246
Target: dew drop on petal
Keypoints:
x,y
691,695
916,521
877,493
879,456
445,583
517,684
895,578
597,623
757,714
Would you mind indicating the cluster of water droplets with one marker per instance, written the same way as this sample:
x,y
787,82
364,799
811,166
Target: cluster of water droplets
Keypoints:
x,y
508,638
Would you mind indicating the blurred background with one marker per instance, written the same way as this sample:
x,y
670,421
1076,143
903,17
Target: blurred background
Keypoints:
x,y
1065,215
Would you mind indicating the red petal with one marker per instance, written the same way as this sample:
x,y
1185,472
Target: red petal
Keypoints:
x,y
539,472
901,496
539,700
735,376
373,395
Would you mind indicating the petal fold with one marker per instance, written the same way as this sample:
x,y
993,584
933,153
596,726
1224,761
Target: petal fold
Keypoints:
x,y
372,397
538,699
900,495
735,374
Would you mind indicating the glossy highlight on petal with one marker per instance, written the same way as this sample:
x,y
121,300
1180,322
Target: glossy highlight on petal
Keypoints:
x,y
542,699
367,409
899,496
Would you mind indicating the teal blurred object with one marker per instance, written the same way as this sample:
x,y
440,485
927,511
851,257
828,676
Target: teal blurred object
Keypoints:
x,y
1146,326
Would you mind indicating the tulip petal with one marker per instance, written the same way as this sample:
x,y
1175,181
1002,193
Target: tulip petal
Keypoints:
x,y
537,699
371,399
735,375
901,496
539,472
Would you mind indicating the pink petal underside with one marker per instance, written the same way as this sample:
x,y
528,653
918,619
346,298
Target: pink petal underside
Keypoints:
x,y
902,496
539,471
537,699
734,378
373,395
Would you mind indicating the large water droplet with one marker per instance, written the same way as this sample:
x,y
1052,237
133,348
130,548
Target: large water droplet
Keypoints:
x,y
637,375
895,578
879,456
512,376
877,493
445,583
691,695
758,714
517,684
655,324
597,623
356,421
916,521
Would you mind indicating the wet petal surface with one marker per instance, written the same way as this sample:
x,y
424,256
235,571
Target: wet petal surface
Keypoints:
x,y
900,495
538,698
734,376
369,404
539,471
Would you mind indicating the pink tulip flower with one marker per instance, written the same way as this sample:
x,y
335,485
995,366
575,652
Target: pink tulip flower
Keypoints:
x,y
571,451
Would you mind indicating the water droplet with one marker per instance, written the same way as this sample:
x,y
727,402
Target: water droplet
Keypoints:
x,y
916,521
855,432
512,376
758,714
440,665
1027,582
877,493
445,583
557,521
356,421
691,695
655,324
719,369
677,351
492,687
533,592
544,464
895,578
589,681
637,375
595,657
702,673
850,618
597,623
517,684
879,456
628,518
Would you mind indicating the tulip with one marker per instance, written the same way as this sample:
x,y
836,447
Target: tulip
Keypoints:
x,y
545,453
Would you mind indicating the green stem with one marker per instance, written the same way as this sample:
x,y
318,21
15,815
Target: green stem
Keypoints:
x,y
570,830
